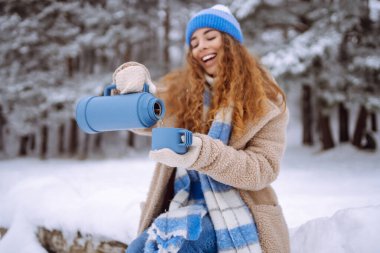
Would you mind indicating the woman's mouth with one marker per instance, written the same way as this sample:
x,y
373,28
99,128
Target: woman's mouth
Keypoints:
x,y
209,59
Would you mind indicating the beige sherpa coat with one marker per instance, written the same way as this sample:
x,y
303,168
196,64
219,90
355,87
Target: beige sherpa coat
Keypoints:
x,y
249,163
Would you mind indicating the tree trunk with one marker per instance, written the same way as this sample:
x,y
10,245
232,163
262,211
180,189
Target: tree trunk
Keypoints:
x,y
97,142
326,136
73,137
23,145
307,116
343,123
44,141
128,52
61,139
360,128
91,60
1,138
374,122
3,121
324,127
84,152
32,141
166,25
369,143
131,139
77,63
70,66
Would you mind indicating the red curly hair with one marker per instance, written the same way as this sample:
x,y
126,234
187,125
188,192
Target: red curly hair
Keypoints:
x,y
241,81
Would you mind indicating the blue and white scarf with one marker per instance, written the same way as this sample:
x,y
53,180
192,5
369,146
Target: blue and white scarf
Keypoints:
x,y
195,195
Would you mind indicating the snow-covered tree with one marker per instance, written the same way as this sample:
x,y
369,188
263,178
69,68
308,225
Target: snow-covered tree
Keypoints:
x,y
332,54
57,51
54,52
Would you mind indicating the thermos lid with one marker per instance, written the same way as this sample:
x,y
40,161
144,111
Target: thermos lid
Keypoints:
x,y
81,115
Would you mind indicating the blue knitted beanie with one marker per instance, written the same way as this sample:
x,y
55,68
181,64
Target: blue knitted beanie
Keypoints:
x,y
217,17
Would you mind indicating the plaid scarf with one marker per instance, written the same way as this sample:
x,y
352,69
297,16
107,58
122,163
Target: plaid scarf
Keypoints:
x,y
195,195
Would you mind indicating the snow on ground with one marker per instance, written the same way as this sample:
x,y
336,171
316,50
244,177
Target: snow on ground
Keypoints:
x,y
101,197
348,230
331,200
313,184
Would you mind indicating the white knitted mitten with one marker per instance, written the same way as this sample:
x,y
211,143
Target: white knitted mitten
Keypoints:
x,y
168,157
131,76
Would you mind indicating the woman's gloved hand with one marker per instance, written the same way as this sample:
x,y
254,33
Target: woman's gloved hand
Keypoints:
x,y
169,157
131,76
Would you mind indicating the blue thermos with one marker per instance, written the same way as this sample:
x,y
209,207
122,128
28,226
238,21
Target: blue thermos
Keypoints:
x,y
119,112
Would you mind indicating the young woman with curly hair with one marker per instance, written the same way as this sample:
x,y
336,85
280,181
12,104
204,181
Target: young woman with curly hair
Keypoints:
x,y
216,197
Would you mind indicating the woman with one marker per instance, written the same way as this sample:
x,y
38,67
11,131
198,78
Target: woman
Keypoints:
x,y
238,116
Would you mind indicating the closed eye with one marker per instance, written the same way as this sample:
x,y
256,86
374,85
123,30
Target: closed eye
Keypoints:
x,y
194,45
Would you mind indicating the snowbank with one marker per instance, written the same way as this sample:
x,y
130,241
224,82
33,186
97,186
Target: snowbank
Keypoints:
x,y
349,230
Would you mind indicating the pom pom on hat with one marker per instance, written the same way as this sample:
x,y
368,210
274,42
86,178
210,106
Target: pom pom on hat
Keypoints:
x,y
222,7
218,17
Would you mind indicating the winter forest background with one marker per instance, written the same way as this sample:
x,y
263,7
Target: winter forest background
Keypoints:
x,y
55,52
324,54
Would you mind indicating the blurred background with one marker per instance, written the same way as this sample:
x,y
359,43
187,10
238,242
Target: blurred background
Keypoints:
x,y
324,54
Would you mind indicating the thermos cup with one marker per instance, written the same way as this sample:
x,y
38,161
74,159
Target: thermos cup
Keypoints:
x,y
119,112
177,139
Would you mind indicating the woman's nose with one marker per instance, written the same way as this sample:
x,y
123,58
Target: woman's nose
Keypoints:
x,y
203,44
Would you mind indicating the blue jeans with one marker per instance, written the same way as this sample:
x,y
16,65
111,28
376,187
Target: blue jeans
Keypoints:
x,y
205,244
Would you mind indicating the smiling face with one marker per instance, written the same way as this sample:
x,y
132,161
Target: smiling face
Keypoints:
x,y
205,44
